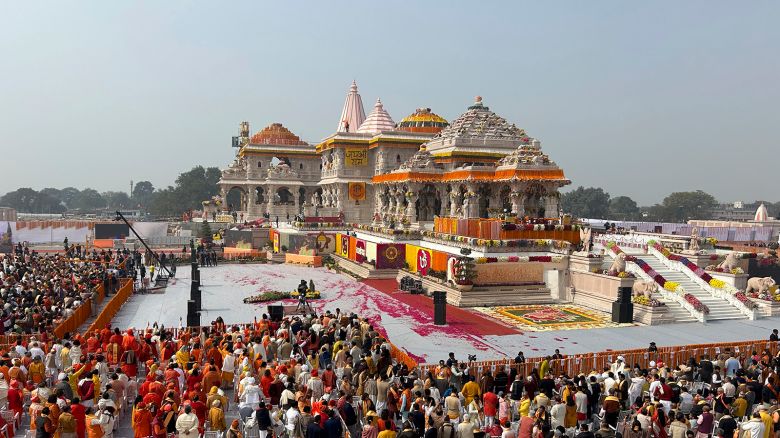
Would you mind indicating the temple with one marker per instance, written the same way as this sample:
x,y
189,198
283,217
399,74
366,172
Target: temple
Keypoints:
x,y
374,170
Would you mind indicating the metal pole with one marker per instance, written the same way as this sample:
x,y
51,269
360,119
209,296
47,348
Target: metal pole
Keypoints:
x,y
162,265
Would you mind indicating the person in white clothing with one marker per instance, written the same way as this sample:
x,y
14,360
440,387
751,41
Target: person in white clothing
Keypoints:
x,y
105,418
187,424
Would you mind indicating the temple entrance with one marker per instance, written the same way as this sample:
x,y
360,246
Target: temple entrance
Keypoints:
x,y
301,199
534,205
259,195
505,198
483,200
284,197
427,206
236,199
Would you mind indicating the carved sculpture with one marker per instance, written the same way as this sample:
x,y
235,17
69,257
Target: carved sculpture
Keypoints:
x,y
645,288
731,262
694,243
585,234
759,284
618,265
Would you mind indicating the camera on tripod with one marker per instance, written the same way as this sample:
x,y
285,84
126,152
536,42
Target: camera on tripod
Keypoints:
x,y
472,357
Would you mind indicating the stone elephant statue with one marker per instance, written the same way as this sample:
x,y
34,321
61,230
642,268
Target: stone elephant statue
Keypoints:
x,y
731,262
646,288
759,284
618,265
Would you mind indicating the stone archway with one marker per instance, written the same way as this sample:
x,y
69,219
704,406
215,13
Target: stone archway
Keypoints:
x,y
236,199
259,195
505,199
483,200
284,196
534,200
426,205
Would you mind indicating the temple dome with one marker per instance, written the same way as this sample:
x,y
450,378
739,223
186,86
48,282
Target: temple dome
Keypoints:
x,y
478,122
423,120
276,133
379,120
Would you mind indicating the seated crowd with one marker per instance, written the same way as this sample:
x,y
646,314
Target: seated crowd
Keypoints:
x,y
333,375
39,291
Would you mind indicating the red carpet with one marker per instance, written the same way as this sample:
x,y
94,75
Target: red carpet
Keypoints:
x,y
466,320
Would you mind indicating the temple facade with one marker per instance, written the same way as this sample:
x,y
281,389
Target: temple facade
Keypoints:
x,y
374,170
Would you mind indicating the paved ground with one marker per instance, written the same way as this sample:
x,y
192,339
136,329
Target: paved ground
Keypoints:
x,y
407,321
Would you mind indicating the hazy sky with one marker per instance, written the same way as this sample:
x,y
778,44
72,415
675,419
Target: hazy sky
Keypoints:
x,y
641,98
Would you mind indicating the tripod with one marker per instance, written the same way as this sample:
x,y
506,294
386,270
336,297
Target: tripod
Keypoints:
x,y
303,304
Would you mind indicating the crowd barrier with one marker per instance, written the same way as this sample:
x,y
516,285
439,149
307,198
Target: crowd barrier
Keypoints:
x,y
113,306
492,229
585,363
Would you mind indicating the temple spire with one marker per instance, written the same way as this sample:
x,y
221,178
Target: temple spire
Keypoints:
x,y
353,115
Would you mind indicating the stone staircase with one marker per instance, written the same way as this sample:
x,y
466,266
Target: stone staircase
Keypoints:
x,y
674,310
719,308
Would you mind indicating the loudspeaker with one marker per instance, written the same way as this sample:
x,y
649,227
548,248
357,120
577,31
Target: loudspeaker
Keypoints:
x,y
196,295
624,294
622,312
276,312
193,316
440,307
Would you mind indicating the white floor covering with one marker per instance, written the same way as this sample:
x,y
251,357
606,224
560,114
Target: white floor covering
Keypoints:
x,y
225,287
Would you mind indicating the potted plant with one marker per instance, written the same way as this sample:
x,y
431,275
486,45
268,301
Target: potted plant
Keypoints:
x,y
465,271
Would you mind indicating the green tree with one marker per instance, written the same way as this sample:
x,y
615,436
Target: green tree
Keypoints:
x,y
591,202
142,195
623,208
68,195
117,200
682,206
195,186
161,202
27,200
87,200
205,230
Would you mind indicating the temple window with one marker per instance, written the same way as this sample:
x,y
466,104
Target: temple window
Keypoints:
x,y
259,164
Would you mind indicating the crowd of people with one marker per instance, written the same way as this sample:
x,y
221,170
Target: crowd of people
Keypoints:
x,y
332,375
38,291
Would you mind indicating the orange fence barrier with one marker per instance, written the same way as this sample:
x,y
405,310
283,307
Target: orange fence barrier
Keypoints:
x,y
75,320
492,229
585,363
113,306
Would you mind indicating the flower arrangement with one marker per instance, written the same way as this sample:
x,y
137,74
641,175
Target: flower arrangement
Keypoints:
x,y
697,305
745,300
717,284
671,286
711,241
645,301
737,271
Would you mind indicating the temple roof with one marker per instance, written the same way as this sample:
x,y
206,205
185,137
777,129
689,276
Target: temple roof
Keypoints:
x,y
276,133
353,115
478,127
423,120
422,161
379,120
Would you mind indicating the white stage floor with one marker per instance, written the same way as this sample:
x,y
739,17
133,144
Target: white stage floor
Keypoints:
x,y
225,287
